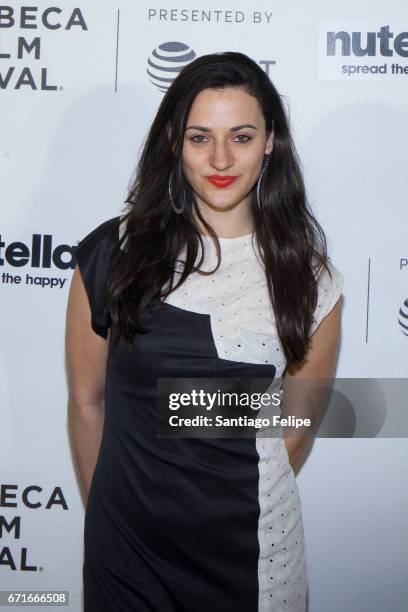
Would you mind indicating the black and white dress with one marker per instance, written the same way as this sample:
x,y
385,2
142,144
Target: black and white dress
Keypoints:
x,y
192,524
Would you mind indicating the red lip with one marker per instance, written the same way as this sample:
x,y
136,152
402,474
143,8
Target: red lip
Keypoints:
x,y
221,181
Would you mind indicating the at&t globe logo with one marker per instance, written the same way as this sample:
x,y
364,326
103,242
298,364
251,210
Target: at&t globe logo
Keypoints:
x,y
166,61
403,318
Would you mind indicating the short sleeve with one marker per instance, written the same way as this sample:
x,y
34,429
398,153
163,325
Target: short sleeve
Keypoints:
x,y
329,291
93,255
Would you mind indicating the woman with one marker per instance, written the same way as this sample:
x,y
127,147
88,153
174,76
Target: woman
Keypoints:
x,y
216,268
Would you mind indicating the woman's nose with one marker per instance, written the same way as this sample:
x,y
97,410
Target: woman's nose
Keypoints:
x,y
221,156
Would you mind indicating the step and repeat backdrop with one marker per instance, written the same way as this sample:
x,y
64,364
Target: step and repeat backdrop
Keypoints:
x,y
80,83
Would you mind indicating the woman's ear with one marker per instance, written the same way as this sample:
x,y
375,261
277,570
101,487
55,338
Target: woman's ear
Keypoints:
x,y
169,129
269,143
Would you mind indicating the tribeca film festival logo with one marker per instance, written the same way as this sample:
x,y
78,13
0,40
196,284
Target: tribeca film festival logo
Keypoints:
x,y
362,51
43,254
168,59
27,46
31,497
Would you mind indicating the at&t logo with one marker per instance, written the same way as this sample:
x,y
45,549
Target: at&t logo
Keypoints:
x,y
166,61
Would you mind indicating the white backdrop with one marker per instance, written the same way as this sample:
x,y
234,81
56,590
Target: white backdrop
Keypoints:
x,y
74,111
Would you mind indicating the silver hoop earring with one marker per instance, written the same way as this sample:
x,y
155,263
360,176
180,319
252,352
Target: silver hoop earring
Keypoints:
x,y
177,209
258,187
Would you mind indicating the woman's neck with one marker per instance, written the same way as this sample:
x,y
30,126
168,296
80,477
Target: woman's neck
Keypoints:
x,y
226,224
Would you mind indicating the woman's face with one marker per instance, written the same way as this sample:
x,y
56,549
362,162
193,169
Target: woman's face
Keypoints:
x,y
225,136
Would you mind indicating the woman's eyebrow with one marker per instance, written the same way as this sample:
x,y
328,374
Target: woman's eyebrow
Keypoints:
x,y
233,129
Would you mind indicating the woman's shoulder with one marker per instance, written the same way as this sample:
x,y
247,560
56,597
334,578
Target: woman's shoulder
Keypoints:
x,y
99,247
330,278
94,254
106,230
104,237
330,282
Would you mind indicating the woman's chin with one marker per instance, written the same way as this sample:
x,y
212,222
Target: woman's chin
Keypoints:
x,y
222,201
222,205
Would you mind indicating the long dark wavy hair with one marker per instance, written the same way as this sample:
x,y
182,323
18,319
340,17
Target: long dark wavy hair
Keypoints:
x,y
292,243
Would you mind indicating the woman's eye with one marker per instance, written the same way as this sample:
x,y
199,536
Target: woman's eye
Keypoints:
x,y
194,138
248,138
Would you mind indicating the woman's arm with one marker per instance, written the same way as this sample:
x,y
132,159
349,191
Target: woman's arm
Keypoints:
x,y
86,354
320,363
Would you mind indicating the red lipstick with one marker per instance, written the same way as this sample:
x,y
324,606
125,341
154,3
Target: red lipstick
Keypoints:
x,y
221,181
